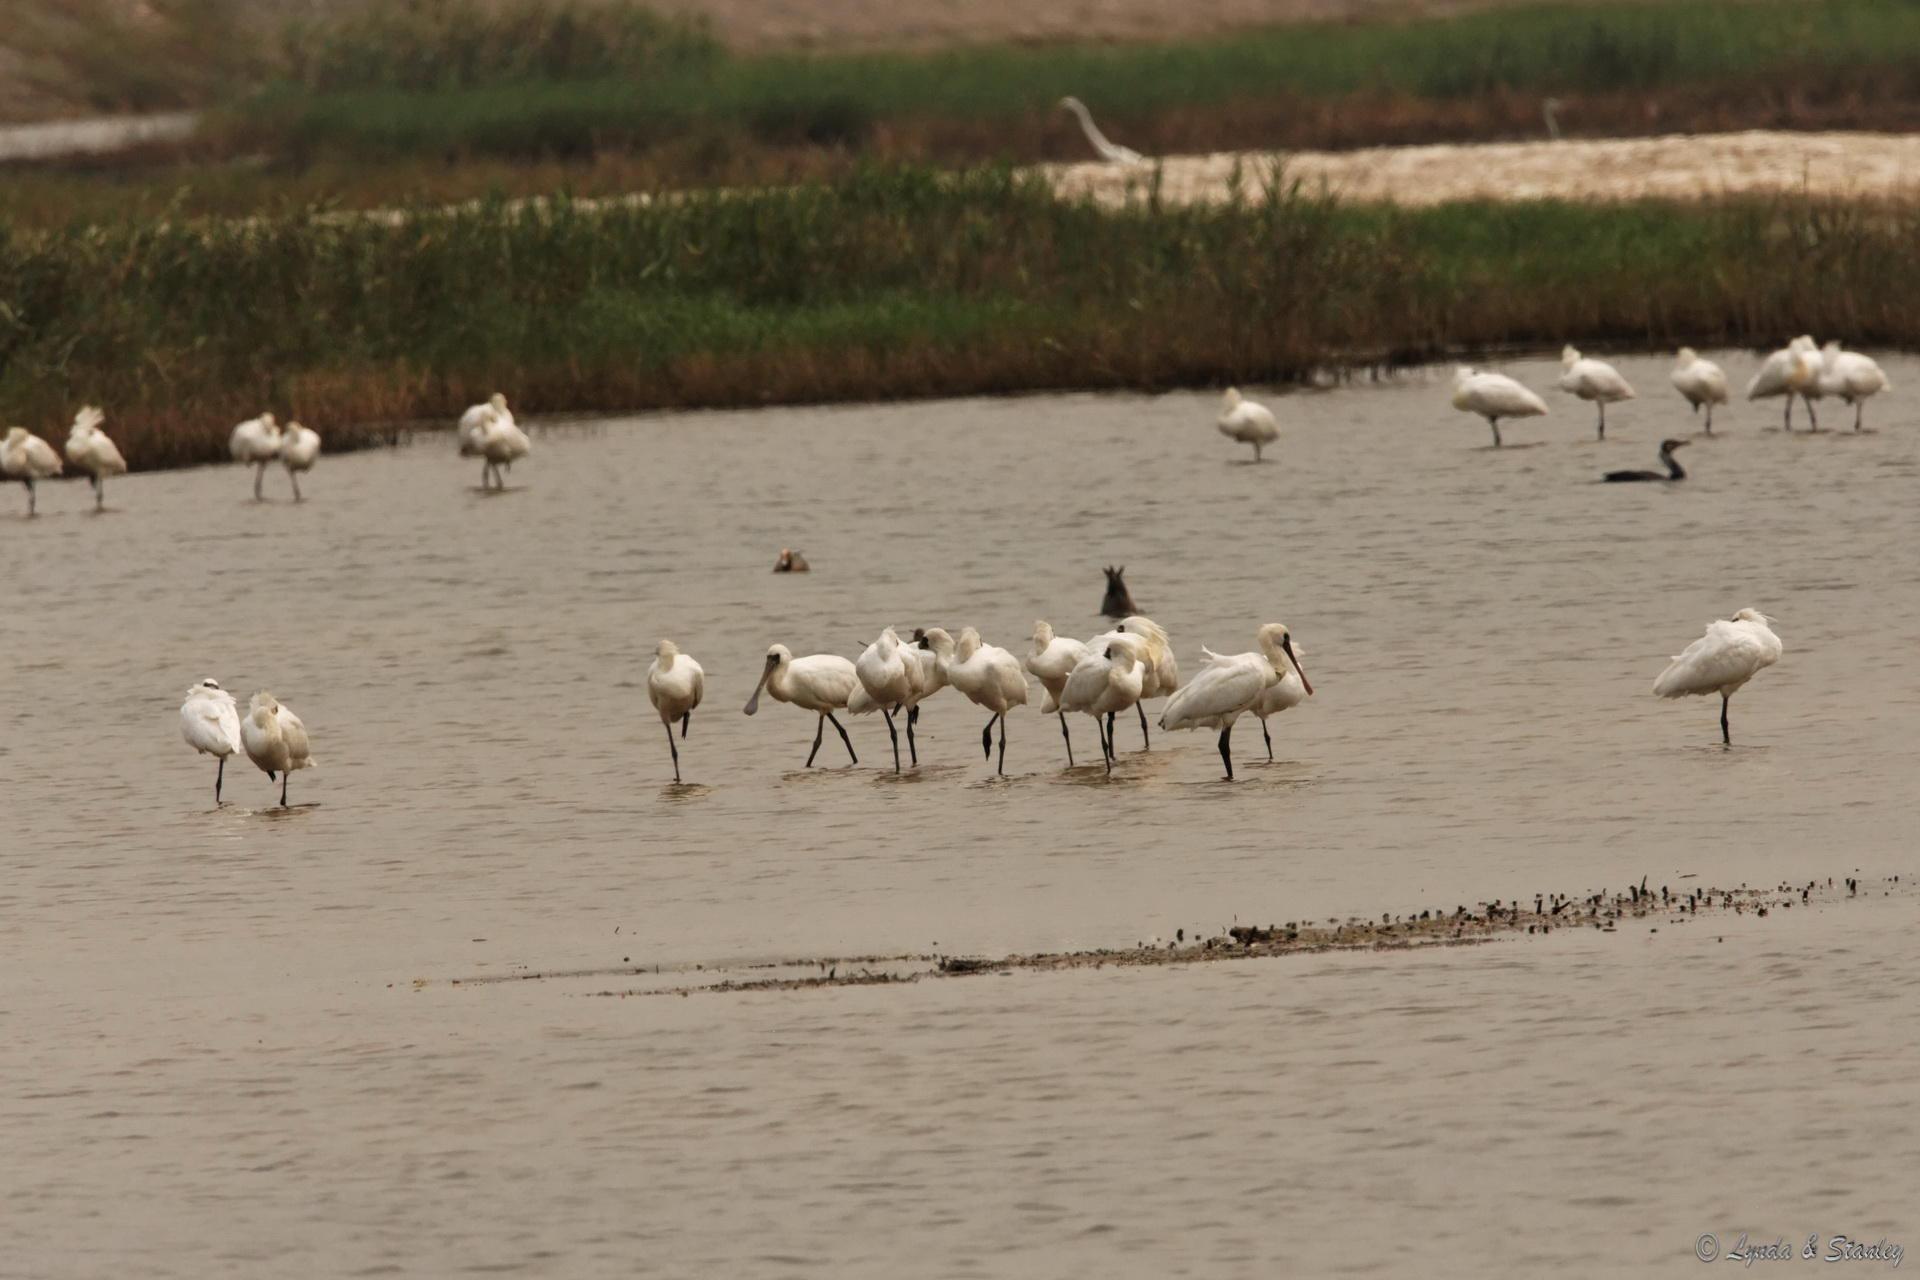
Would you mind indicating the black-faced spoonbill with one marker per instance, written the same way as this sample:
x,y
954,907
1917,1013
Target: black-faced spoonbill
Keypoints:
x,y
1162,675
1673,471
1793,370
1702,382
1051,660
488,431
886,677
1594,380
990,677
299,448
275,739
1494,396
211,725
1228,685
89,450
1247,421
675,684
1731,653
820,682
28,459
255,443
1106,682
1284,696
1111,152
1851,376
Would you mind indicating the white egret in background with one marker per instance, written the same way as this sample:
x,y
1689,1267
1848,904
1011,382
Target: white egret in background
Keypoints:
x,y
675,684
1106,682
1247,421
1111,152
1229,685
89,450
1594,380
1702,382
255,443
275,739
210,723
1851,376
1162,670
28,459
1731,653
1673,471
1493,396
820,682
1051,660
299,447
990,677
886,677
1793,370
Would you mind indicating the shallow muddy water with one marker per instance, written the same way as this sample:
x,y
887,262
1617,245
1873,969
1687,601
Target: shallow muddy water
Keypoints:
x,y
219,1061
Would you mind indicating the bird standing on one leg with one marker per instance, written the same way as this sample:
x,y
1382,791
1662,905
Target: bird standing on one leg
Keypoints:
x,y
1731,653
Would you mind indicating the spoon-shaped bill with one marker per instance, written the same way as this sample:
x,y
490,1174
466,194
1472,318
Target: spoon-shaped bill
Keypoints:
x,y
1286,642
753,703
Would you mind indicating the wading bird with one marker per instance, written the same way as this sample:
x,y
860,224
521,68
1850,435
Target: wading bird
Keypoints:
x,y
1228,685
1247,421
1117,604
211,725
1111,152
1793,370
488,431
1673,471
1702,382
675,684
1289,693
990,677
1494,396
1106,682
275,739
1162,674
1051,660
886,677
89,450
791,561
929,655
820,682
1850,376
299,447
1594,380
255,443
1731,653
28,459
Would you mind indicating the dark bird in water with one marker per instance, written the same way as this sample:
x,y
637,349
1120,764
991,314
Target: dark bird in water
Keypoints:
x,y
1666,455
791,561
1118,603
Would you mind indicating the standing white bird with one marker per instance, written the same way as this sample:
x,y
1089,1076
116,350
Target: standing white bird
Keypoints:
x,y
211,725
1229,684
1494,396
1731,653
473,422
1162,670
675,683
1111,152
275,739
1051,660
928,655
1793,370
1851,376
28,459
495,437
89,450
1289,693
886,676
1594,380
299,447
1247,421
1106,682
255,443
1702,382
990,677
820,682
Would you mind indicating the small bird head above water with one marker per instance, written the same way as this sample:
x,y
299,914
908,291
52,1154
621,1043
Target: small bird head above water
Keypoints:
x,y
1668,446
791,561
1118,602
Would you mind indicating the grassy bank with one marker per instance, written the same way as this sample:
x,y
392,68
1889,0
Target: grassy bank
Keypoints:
x,y
888,284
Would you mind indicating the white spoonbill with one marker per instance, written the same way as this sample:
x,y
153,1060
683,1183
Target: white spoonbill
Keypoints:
x,y
820,682
255,443
1111,152
90,450
1851,376
497,439
299,447
1289,693
1494,396
928,655
211,725
675,683
1229,684
275,739
1162,669
1731,653
473,423
28,459
990,677
1793,370
886,676
1702,382
1051,660
1594,380
1106,682
1247,421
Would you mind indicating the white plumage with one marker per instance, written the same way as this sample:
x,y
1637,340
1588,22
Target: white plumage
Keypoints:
x,y
1161,670
1793,370
1111,152
1594,380
1247,421
990,677
1106,682
1731,653
28,459
1494,396
1850,376
488,431
675,685
1702,382
820,683
275,739
1289,693
887,678
299,448
210,723
255,443
1052,659
1229,685
90,450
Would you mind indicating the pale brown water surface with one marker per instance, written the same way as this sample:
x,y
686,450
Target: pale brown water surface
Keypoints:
x,y
218,1059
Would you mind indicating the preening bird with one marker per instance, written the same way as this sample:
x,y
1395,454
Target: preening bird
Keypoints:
x,y
89,450
1226,686
1731,653
1106,682
1494,396
1162,669
886,677
820,682
990,677
1594,380
1793,370
488,431
255,443
1051,660
675,684
1246,421
1850,376
28,459
210,723
1111,152
1117,604
1702,382
299,447
275,739
1673,471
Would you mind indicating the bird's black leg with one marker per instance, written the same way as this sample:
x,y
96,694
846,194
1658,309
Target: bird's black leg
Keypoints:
x,y
33,504
1106,746
219,775
986,740
894,737
1787,424
1709,417
1111,750
1495,424
819,732
675,750
1226,753
1002,768
1068,737
1146,742
1725,736
686,717
1813,421
844,738
1269,738
1859,408
913,752
285,774
1603,419
293,477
